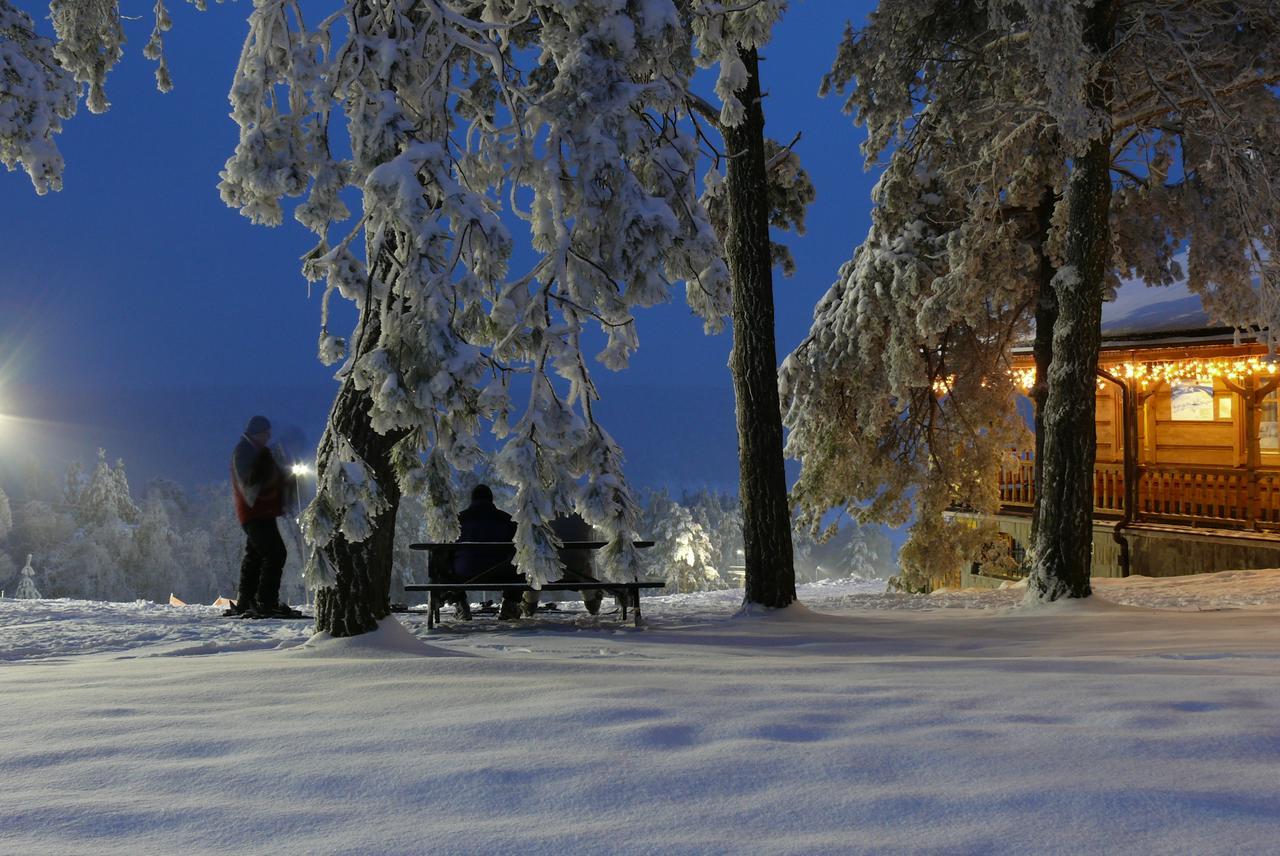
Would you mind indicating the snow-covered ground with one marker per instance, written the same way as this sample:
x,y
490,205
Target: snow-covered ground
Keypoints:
x,y
1143,720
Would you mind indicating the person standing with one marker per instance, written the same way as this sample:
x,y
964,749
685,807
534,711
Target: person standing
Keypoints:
x,y
259,486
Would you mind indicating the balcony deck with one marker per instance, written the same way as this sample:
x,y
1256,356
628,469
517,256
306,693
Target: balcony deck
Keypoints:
x,y
1232,498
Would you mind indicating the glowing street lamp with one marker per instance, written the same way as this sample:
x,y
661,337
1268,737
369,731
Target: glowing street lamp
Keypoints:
x,y
300,471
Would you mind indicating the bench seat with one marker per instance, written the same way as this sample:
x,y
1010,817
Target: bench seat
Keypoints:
x,y
629,593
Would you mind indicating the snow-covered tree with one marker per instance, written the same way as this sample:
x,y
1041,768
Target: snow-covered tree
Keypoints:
x,y
36,95
27,585
8,571
171,496
150,560
449,119
450,114
995,110
42,80
73,486
762,186
106,497
683,553
40,527
841,551
862,558
720,516
867,421
6,515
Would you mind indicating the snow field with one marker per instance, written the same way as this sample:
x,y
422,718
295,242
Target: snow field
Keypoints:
x,y
860,723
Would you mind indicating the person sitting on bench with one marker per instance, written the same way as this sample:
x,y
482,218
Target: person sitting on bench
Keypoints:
x,y
484,521
578,564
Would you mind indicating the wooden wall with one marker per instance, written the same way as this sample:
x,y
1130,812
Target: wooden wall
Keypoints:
x,y
1109,425
1218,442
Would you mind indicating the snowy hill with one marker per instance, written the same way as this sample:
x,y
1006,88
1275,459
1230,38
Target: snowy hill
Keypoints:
x,y
863,723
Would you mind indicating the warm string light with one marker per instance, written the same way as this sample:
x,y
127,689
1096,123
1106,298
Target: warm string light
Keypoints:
x,y
1204,371
943,386
1232,369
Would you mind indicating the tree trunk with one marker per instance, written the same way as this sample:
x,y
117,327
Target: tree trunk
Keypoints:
x,y
1064,533
766,516
361,594
1046,318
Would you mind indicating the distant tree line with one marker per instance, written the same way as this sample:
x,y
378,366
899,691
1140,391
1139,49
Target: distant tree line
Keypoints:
x,y
93,537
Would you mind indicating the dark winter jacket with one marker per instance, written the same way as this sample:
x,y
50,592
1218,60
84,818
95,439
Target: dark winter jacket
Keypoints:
x,y
577,563
484,521
257,482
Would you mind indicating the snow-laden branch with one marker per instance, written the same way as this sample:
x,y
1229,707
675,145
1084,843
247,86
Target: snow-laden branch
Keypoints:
x,y
581,132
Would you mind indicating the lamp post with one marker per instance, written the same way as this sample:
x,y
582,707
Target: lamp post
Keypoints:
x,y
300,471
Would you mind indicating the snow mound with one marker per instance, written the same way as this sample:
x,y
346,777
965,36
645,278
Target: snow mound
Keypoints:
x,y
391,639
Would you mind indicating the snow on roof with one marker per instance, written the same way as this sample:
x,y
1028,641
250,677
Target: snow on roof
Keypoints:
x,y
1141,309
1140,315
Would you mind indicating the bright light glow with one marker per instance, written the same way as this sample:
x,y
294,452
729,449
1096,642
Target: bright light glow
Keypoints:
x,y
7,422
302,470
1195,370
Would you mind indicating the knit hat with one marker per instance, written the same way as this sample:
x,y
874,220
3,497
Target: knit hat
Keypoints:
x,y
257,425
481,493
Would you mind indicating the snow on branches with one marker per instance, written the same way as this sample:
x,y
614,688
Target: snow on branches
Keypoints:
x,y
440,115
722,30
41,80
987,105
36,94
897,403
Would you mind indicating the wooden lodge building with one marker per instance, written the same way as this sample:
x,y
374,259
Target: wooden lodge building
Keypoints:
x,y
1187,477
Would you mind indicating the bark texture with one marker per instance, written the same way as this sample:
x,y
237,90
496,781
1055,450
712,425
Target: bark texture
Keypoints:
x,y
361,594
1064,525
1046,318
766,515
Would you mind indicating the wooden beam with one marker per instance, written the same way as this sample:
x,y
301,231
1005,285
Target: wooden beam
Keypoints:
x,y
1148,408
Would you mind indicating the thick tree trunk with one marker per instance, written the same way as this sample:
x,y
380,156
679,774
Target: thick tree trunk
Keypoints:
x,y
361,594
766,516
1064,533
1046,318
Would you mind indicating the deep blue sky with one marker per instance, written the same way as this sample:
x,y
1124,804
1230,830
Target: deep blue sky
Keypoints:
x,y
139,313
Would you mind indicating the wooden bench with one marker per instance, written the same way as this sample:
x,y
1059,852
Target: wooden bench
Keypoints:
x,y
439,554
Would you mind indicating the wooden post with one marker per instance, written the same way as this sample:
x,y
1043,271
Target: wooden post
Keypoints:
x,y
1252,395
1129,451
1145,401
1253,452
1239,433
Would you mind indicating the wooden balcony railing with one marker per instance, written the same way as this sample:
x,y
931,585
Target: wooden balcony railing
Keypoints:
x,y
1214,497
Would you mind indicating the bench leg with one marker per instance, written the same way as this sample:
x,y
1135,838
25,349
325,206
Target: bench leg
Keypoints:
x,y
636,604
433,610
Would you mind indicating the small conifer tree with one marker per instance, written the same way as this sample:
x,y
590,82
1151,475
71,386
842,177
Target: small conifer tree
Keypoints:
x,y
26,586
